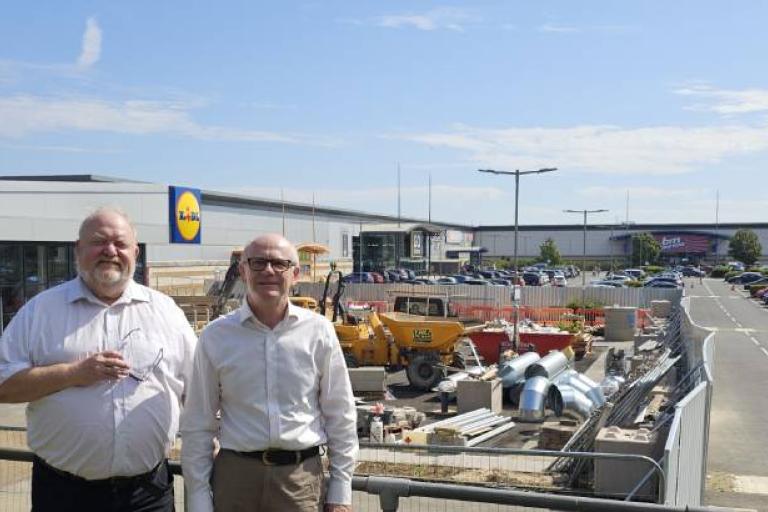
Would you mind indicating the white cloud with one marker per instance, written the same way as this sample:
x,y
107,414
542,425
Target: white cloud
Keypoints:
x,y
446,18
559,29
91,50
727,102
647,192
23,115
600,148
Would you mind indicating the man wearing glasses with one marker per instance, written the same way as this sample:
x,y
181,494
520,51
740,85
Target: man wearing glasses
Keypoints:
x,y
276,373
103,363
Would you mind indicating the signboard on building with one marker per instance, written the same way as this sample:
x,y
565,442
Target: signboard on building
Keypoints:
x,y
677,243
417,247
185,218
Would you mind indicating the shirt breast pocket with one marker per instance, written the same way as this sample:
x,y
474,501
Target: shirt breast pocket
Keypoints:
x,y
144,355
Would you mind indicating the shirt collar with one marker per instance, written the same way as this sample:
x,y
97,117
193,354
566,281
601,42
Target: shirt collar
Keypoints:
x,y
79,291
246,314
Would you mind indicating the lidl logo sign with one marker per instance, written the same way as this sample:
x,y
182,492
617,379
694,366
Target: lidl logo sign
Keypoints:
x,y
184,215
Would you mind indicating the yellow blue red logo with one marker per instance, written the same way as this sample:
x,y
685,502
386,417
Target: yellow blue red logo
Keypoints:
x,y
185,215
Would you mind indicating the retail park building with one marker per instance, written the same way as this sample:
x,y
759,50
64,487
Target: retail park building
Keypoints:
x,y
188,235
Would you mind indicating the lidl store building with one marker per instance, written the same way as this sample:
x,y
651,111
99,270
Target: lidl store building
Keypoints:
x,y
187,236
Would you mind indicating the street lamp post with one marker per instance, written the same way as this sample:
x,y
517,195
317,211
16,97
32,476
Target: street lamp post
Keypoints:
x,y
517,173
584,249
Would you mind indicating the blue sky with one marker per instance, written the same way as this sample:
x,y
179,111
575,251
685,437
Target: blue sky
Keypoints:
x,y
666,100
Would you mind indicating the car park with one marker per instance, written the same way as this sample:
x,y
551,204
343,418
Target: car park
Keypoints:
x,y
477,282
447,280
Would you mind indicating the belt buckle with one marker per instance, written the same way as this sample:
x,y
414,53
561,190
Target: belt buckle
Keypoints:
x,y
265,458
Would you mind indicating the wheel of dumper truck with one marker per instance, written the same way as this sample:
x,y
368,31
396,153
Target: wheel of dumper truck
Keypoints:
x,y
423,372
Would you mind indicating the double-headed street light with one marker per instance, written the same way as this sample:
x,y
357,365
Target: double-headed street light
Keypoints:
x,y
584,253
517,173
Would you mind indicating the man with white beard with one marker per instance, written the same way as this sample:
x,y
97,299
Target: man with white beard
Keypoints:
x,y
104,363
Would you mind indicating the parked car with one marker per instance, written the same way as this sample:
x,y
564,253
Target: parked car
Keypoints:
x,y
560,281
745,278
601,283
676,281
392,276
634,273
447,280
532,279
763,281
692,272
424,280
477,282
502,282
377,278
619,278
661,283
460,278
359,277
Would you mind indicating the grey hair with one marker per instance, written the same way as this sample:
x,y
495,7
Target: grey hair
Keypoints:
x,y
278,240
107,210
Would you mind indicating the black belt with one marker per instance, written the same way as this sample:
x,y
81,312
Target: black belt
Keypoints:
x,y
115,481
281,457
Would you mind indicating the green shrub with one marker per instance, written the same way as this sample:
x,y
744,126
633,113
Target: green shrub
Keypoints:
x,y
634,284
719,271
587,304
652,269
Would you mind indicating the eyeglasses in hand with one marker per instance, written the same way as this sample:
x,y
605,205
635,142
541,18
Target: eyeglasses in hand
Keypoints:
x,y
142,375
139,374
260,264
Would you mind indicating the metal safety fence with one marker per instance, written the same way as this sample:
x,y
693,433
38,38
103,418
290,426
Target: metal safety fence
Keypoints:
x,y
372,493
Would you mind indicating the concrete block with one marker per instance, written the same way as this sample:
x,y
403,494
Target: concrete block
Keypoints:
x,y
367,379
616,478
661,308
476,394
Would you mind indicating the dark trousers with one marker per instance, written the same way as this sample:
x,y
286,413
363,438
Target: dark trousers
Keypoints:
x,y
55,490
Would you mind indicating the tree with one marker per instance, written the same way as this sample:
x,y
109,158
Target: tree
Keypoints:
x,y
645,249
745,246
549,252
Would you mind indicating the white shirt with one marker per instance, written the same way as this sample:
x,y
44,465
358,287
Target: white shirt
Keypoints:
x,y
284,388
112,428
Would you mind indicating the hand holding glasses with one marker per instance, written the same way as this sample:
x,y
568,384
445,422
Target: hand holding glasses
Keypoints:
x,y
139,373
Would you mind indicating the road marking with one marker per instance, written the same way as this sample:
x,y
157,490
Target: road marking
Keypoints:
x,y
738,325
745,330
755,341
764,350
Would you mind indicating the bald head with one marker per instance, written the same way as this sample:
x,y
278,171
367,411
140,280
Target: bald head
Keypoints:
x,y
271,242
105,212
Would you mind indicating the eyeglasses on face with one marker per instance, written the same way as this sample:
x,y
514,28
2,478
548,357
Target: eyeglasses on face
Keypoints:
x,y
278,265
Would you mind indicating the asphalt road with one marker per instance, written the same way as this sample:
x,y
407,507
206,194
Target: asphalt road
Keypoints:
x,y
738,443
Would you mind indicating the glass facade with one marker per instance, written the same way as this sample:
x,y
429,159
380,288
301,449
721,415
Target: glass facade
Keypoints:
x,y
27,268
